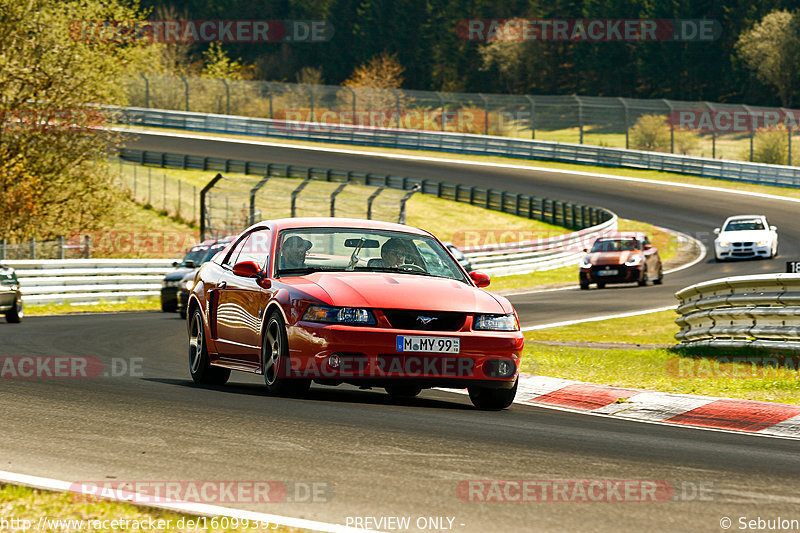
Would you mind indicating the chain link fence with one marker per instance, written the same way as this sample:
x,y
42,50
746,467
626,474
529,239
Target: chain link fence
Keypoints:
x,y
704,129
76,247
152,187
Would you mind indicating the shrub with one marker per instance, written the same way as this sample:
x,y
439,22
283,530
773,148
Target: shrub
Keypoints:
x,y
770,146
651,132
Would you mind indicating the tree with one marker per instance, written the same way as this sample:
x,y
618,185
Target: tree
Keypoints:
x,y
771,49
373,82
54,64
651,132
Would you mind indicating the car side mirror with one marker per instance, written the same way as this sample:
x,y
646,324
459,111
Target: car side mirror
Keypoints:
x,y
586,250
716,231
190,264
773,228
175,263
481,279
249,269
647,246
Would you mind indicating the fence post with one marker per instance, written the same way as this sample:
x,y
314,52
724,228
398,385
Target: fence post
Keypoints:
x,y
253,192
713,133
671,128
164,192
396,104
372,199
33,248
203,193
402,218
441,105
227,96
146,90
533,115
186,89
87,250
788,137
335,193
3,245
580,116
485,114
149,187
627,121
179,198
296,192
61,247
752,129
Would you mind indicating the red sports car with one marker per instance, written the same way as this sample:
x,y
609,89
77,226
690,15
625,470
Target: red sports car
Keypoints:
x,y
335,300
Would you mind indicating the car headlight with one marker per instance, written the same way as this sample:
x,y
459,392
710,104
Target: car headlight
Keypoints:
x,y
762,242
188,284
724,244
339,315
634,260
496,322
170,283
586,263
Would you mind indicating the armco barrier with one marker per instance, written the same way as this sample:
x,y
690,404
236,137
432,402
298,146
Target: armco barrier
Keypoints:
x,y
464,143
89,280
761,311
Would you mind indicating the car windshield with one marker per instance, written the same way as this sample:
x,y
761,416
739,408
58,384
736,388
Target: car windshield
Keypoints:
x,y
744,225
198,257
614,245
302,251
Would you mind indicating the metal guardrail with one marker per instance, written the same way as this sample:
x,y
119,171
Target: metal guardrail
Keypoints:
x,y
513,258
463,143
761,311
89,280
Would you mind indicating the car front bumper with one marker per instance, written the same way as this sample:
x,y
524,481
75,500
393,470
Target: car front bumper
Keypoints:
x,y
743,250
368,355
611,274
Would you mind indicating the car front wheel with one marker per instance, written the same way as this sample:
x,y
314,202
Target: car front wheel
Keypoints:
x,y
15,314
199,365
275,356
492,399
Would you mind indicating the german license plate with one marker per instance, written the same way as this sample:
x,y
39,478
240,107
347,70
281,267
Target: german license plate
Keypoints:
x,y
607,272
407,343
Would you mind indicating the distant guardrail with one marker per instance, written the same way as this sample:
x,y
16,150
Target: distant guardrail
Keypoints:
x,y
511,258
761,311
464,143
89,280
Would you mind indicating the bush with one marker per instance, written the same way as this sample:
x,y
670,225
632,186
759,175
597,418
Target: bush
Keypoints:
x,y
686,142
651,133
771,146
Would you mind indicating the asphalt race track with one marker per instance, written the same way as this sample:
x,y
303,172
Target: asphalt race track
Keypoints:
x,y
379,458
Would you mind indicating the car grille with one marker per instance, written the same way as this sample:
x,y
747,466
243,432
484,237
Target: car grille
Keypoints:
x,y
419,320
742,249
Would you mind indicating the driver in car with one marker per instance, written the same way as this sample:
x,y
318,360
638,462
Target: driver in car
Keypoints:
x,y
293,252
395,252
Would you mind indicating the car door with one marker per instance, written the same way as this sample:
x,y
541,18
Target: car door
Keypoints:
x,y
241,301
7,288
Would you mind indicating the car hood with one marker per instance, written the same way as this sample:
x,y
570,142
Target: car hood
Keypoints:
x,y
745,236
398,291
611,258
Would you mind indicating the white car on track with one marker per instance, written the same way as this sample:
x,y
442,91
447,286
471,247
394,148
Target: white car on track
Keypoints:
x,y
745,236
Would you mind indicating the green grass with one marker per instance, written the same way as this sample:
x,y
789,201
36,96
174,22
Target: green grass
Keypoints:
x,y
152,303
23,503
672,369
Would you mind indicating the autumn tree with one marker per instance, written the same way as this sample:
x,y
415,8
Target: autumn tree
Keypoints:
x,y
56,66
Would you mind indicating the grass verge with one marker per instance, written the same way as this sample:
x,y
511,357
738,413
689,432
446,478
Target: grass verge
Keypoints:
x,y
72,512
730,373
152,303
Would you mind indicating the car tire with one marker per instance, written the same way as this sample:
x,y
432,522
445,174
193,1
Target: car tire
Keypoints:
x,y
182,312
492,399
645,278
584,286
16,313
199,365
168,308
601,285
403,390
274,354
660,279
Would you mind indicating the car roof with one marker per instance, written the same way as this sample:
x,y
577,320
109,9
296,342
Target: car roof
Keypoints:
x,y
743,217
336,222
